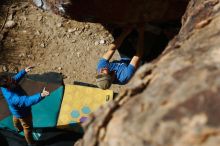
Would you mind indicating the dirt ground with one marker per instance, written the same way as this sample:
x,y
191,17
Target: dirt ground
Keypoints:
x,y
51,43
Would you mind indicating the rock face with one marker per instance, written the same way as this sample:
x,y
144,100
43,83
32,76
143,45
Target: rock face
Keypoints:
x,y
173,101
117,11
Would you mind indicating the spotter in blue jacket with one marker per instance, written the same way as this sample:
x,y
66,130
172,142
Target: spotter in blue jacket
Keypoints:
x,y
19,103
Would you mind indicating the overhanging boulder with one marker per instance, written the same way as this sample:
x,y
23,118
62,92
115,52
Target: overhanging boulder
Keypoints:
x,y
117,11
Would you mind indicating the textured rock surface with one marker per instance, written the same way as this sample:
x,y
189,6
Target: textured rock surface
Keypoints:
x,y
117,11
175,100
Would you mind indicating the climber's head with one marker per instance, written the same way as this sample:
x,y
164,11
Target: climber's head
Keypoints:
x,y
104,79
7,81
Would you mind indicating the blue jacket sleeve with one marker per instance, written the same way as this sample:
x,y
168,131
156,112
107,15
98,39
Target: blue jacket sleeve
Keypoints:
x,y
19,75
127,74
27,101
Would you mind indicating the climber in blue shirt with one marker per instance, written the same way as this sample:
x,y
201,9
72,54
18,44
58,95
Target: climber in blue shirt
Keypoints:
x,y
120,71
19,103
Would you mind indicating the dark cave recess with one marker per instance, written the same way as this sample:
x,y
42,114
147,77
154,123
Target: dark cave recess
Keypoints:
x,y
162,18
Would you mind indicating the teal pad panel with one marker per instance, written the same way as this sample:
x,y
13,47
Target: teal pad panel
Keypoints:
x,y
45,113
7,123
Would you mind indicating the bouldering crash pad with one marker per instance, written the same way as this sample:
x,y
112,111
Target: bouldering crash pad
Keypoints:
x,y
78,103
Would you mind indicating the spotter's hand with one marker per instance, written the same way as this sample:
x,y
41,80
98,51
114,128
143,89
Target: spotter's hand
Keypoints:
x,y
44,93
29,68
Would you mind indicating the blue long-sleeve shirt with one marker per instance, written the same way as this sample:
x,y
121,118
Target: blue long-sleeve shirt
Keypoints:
x,y
19,103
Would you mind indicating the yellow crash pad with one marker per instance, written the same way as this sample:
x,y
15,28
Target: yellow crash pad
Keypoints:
x,y
78,103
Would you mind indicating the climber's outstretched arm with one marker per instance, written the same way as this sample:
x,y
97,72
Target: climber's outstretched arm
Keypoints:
x,y
135,61
117,43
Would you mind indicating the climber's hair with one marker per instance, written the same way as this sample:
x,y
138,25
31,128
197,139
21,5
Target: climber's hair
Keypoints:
x,y
5,80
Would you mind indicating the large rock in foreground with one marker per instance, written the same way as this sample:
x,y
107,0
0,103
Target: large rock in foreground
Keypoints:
x,y
174,101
